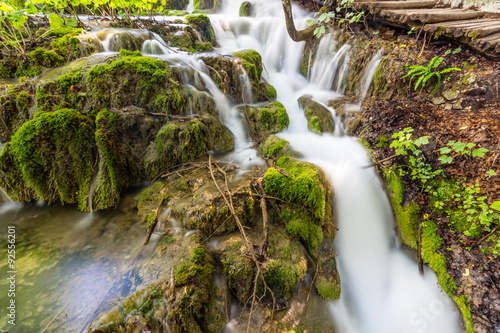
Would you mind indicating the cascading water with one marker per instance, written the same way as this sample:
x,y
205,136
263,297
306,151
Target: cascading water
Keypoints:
x,y
381,288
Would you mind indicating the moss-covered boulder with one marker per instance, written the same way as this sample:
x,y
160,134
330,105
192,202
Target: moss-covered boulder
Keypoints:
x,y
272,118
245,8
319,118
197,204
252,63
267,92
175,143
15,103
53,153
327,282
206,5
131,41
202,24
219,137
136,80
275,147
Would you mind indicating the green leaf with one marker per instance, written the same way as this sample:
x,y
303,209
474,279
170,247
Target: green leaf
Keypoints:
x,y
447,70
458,146
423,140
445,159
495,205
491,172
479,152
444,150
56,22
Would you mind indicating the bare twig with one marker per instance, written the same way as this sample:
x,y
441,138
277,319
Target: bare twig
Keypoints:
x,y
380,161
487,236
57,314
154,222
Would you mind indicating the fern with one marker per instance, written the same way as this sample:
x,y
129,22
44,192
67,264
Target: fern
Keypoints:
x,y
424,75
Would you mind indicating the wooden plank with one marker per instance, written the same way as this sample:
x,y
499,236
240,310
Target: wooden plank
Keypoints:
x,y
484,31
395,4
443,25
432,15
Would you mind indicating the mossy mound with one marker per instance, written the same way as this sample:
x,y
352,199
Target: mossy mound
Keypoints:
x,y
307,185
202,24
245,8
267,92
14,112
274,147
175,144
287,263
54,154
139,81
303,225
219,137
272,118
328,279
252,63
319,118
206,5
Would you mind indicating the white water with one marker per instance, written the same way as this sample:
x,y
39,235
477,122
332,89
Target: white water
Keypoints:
x,y
381,288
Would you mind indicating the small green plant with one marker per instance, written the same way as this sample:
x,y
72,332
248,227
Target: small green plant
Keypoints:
x,y
351,16
457,50
460,148
424,75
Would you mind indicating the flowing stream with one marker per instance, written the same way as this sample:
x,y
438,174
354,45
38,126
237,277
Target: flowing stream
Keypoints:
x,y
70,260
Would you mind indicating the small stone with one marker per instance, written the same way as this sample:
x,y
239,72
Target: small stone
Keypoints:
x,y
438,100
458,105
448,106
450,94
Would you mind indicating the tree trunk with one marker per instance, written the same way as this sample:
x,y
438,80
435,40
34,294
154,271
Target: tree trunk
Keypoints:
x,y
295,35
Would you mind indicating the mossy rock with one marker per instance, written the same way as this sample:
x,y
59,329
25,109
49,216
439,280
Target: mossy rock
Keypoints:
x,y
272,118
54,154
274,147
14,112
407,214
202,24
238,270
176,4
306,185
328,279
175,143
252,63
122,138
12,181
219,137
319,118
205,6
46,58
245,8
127,41
267,92
140,81
286,265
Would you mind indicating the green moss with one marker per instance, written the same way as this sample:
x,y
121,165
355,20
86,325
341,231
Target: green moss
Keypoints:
x,y
4,72
303,225
319,118
53,152
252,62
383,141
245,8
175,143
327,288
45,58
268,92
306,185
134,80
408,215
431,245
272,118
274,146
67,46
14,110
313,125
127,53
202,24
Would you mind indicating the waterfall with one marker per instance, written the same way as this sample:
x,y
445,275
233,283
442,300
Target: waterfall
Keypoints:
x,y
381,288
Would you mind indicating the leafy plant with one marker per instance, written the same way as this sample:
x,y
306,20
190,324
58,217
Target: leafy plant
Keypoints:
x,y
461,148
423,75
457,50
351,16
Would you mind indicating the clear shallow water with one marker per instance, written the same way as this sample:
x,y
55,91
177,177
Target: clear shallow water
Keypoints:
x,y
67,262
73,261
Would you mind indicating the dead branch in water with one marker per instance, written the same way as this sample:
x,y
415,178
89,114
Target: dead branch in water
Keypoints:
x,y
154,222
229,203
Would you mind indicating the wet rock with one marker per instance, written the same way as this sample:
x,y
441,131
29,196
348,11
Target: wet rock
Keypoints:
x,y
175,144
177,4
272,118
252,63
274,147
319,118
267,92
245,8
15,103
128,41
219,137
202,24
209,5
327,281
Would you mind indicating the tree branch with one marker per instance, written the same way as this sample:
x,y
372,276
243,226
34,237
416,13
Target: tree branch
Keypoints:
x,y
295,35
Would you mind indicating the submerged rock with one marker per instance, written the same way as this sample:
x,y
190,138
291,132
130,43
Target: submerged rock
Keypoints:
x,y
319,118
